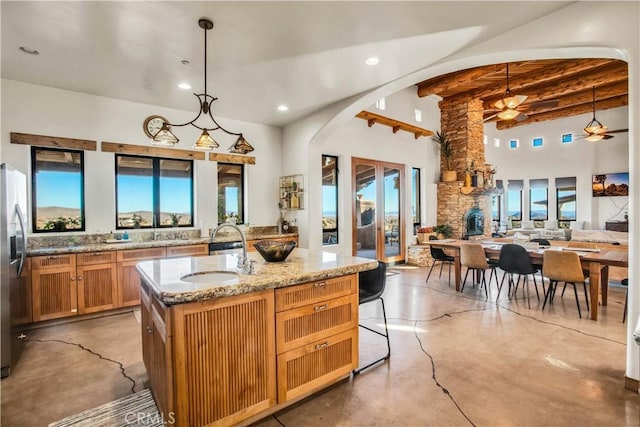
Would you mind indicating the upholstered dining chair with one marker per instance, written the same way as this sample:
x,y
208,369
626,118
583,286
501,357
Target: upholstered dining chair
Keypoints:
x,y
371,285
473,257
440,256
563,266
514,259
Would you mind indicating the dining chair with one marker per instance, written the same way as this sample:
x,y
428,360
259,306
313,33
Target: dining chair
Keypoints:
x,y
514,259
440,256
563,266
473,257
625,283
541,242
371,285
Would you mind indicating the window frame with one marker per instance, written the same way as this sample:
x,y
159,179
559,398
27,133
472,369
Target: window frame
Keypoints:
x,y
155,175
508,199
34,189
241,212
417,203
531,205
575,191
337,198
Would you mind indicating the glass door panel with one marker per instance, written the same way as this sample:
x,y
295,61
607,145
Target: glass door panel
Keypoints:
x,y
392,242
365,211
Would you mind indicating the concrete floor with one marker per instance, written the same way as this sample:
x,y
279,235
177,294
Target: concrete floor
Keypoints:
x,y
457,360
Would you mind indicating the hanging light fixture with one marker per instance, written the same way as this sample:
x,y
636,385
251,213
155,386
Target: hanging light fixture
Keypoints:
x,y
509,102
205,142
594,127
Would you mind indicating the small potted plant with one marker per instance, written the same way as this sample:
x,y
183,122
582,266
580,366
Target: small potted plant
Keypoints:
x,y
175,219
443,231
61,223
446,152
231,218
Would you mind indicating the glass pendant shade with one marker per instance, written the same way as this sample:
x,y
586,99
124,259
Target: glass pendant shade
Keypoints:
x,y
510,101
594,137
205,142
595,127
165,137
241,146
508,114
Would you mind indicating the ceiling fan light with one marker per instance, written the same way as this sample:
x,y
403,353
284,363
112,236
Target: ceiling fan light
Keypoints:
x,y
514,101
594,137
595,127
241,146
508,114
205,142
165,137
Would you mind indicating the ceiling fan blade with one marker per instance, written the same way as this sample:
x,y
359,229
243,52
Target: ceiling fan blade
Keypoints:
x,y
486,119
521,117
605,136
618,131
549,103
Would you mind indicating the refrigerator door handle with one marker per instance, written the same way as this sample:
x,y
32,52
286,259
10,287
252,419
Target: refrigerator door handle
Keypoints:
x,y
23,231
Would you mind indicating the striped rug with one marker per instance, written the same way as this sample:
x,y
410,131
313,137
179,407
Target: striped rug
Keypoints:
x,y
137,409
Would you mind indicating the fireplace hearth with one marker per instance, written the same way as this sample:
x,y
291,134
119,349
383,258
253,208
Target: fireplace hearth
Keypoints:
x,y
473,223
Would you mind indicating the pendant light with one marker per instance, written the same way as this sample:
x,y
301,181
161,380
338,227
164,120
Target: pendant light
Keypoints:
x,y
205,141
594,127
509,102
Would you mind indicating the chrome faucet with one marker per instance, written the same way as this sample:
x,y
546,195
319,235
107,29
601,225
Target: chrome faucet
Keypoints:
x,y
243,262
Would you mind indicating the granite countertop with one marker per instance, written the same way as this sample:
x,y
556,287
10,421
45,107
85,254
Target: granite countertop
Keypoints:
x,y
303,265
131,244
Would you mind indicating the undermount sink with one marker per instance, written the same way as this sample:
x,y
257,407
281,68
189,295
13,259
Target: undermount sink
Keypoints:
x,y
219,278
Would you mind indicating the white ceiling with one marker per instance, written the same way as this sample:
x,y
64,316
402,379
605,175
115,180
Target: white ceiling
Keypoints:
x,y
260,54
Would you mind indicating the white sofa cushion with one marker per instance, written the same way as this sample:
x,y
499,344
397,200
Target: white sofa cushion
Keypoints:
x,y
600,236
527,225
551,224
576,225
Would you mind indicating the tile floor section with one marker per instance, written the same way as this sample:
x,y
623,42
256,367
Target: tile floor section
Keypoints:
x,y
457,360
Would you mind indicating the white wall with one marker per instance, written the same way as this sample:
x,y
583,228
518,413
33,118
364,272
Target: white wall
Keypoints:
x,y
47,111
356,139
581,159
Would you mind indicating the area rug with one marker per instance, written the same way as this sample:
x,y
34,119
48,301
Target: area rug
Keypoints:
x,y
137,409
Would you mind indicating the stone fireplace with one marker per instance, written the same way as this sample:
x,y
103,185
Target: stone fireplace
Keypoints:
x,y
473,223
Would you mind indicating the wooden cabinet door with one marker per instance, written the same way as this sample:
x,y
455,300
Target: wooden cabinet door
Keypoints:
x,y
97,285
187,250
161,372
128,284
54,293
21,298
147,330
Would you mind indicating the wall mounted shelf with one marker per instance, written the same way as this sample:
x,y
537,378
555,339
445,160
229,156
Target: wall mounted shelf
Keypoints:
x,y
395,125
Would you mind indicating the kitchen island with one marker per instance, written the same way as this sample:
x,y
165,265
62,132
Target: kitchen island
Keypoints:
x,y
240,347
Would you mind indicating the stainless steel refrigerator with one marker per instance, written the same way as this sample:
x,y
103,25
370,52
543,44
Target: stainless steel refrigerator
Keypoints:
x,y
13,250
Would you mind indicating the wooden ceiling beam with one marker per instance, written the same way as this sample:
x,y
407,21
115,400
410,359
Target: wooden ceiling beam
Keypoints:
x,y
615,89
618,101
451,80
569,85
553,87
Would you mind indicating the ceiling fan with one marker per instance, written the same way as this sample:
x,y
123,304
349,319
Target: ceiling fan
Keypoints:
x,y
596,131
510,107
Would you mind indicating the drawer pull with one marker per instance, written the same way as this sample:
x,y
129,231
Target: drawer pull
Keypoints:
x,y
319,284
320,307
149,330
96,253
74,310
323,345
53,257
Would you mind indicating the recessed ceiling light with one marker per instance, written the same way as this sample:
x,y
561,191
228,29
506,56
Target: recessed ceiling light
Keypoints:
x,y
282,107
372,61
184,85
29,50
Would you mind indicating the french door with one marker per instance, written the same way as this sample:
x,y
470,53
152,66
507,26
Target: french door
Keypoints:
x,y
378,210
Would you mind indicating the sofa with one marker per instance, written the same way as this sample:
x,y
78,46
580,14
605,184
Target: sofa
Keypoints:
x,y
549,232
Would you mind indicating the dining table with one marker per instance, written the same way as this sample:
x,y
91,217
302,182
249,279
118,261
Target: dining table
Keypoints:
x,y
596,262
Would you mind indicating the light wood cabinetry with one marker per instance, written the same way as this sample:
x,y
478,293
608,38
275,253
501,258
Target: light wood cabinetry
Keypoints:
x,y
20,297
53,285
316,334
96,280
214,362
128,278
188,250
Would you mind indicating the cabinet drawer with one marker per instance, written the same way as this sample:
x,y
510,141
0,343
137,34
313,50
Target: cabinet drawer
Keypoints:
x,y
313,322
50,262
310,293
313,366
190,250
140,254
90,258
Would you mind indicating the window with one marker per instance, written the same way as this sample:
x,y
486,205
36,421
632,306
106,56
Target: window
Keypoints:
x,y
496,142
539,199
495,208
415,197
566,200
153,192
537,142
514,143
329,200
230,192
381,104
514,200
58,190
567,138
417,113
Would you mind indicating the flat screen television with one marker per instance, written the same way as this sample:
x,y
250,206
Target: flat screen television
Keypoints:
x,y
610,184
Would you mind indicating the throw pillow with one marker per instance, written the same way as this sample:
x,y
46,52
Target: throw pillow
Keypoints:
x,y
527,225
551,224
